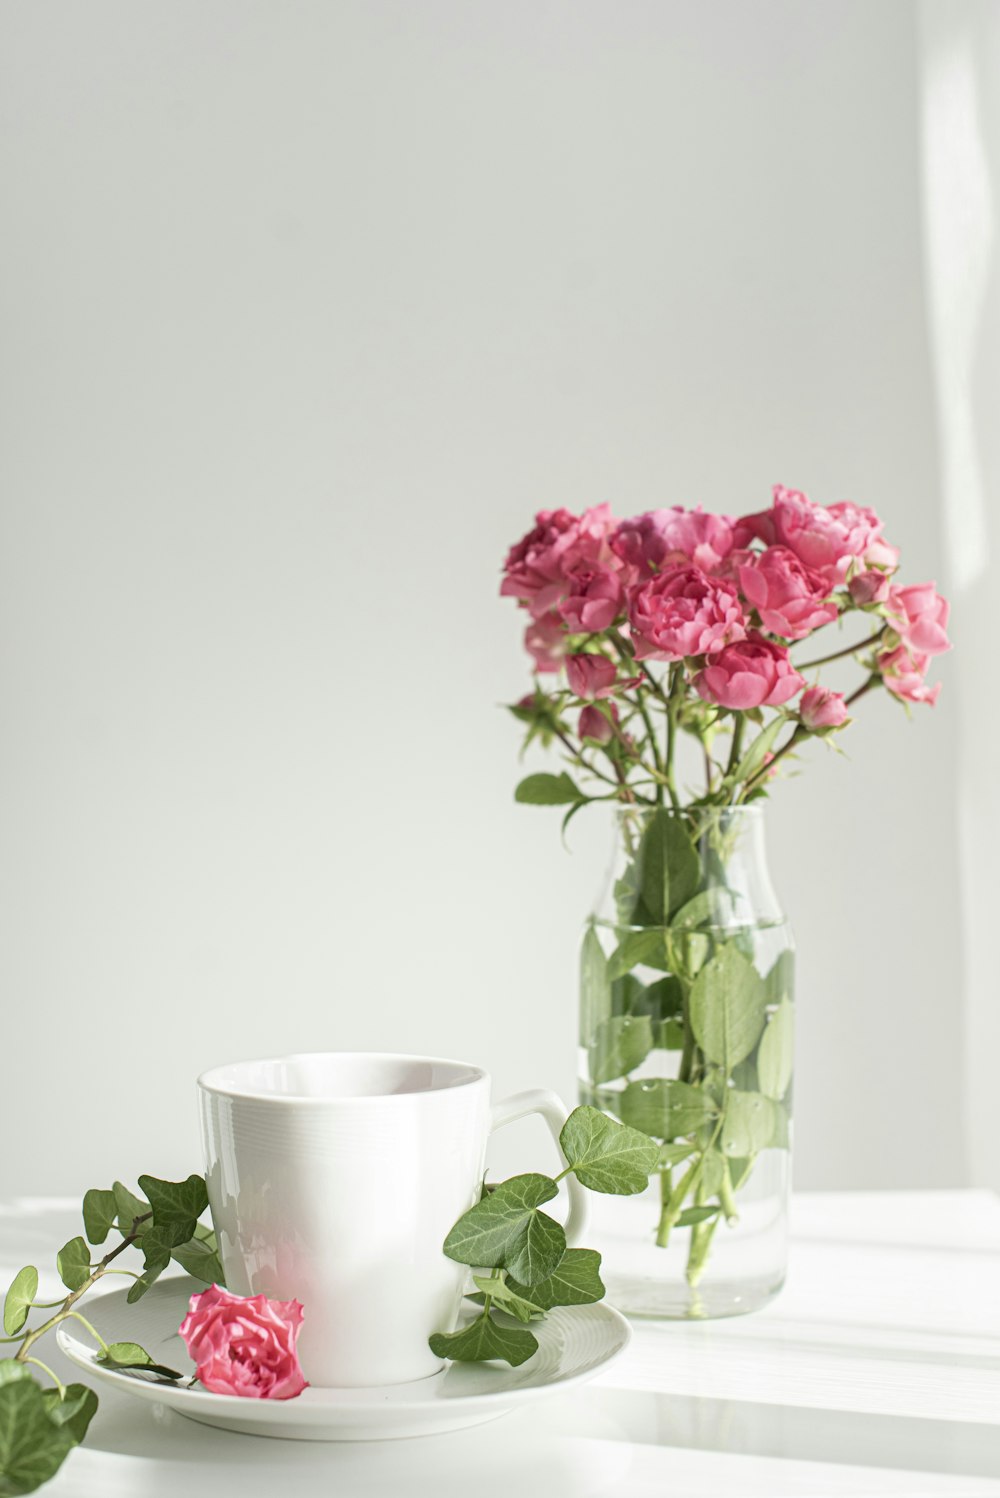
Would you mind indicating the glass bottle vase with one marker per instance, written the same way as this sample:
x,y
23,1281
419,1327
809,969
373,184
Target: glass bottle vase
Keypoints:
x,y
686,1032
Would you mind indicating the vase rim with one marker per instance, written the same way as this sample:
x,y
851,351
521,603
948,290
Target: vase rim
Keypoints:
x,y
743,813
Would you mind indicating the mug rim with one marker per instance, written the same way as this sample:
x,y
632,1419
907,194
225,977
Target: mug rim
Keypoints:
x,y
206,1083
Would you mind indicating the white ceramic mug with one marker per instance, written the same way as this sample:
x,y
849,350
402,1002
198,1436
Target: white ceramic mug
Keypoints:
x,y
335,1178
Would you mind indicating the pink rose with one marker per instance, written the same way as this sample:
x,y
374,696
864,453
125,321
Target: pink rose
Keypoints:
x,y
756,527
595,676
684,612
821,708
919,616
667,538
791,599
750,673
245,1345
828,537
595,599
903,674
545,642
868,587
538,567
595,726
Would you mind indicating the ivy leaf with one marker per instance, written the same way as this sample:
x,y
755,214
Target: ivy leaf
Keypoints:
x,y
129,1207
484,1340
99,1211
73,1263
507,1231
175,1201
669,867
73,1410
776,1053
605,1155
11,1370
576,1282
32,1446
665,1109
646,948
18,1301
749,1125
595,987
198,1256
619,1046
545,790
129,1357
506,1298
156,1255
728,1007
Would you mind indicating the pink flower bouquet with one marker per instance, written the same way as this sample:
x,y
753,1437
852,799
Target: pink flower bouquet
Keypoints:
x,y
677,662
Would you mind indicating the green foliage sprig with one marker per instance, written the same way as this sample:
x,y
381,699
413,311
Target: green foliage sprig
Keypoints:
x,y
531,1269
40,1425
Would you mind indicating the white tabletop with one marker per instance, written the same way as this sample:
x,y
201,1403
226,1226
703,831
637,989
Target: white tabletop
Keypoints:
x,y
876,1371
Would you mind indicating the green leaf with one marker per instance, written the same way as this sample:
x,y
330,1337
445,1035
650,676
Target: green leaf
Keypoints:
x,y
125,1352
507,1231
129,1357
485,1340
712,907
728,1007
619,1046
776,1054
99,1211
129,1207
506,1299
175,1201
748,1126
19,1297
545,790
73,1410
780,980
605,1155
779,1138
669,868
576,1282
32,1446
156,1255
673,1154
646,948
11,1370
669,1036
692,1215
761,746
73,1263
200,1258
687,951
595,987
661,1000
665,1109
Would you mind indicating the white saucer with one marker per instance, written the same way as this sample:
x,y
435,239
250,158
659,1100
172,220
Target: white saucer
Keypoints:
x,y
574,1345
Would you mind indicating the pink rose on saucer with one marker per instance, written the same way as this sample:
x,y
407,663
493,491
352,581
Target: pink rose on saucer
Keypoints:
x,y
244,1345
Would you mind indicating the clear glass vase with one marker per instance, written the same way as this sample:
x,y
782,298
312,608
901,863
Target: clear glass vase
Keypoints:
x,y
686,1031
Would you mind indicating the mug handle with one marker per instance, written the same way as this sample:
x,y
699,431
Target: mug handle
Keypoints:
x,y
551,1107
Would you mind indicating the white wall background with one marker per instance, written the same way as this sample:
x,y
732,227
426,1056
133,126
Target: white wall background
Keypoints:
x,y
306,308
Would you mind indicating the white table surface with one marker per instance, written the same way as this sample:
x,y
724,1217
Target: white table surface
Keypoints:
x,y
876,1371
